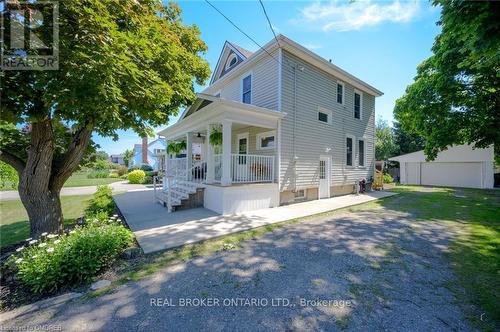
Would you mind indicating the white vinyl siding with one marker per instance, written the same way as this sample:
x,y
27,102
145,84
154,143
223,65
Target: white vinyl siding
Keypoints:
x,y
317,89
264,84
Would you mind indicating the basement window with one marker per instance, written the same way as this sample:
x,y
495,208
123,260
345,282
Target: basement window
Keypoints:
x,y
299,194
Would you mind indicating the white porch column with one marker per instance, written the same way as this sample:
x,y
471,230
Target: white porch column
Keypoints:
x,y
189,155
226,153
209,157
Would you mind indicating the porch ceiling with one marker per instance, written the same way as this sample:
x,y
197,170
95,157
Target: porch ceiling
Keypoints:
x,y
223,110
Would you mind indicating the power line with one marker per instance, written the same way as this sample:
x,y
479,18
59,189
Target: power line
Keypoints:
x,y
269,21
240,30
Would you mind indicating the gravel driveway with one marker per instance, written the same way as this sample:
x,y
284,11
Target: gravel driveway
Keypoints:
x,y
375,270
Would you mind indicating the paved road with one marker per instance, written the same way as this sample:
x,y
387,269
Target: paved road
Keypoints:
x,y
73,191
389,266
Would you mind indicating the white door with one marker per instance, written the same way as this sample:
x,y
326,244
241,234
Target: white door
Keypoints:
x,y
412,173
241,169
324,177
456,174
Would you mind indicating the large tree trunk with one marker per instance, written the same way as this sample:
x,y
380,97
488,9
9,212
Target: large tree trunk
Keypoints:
x,y
44,211
41,177
42,204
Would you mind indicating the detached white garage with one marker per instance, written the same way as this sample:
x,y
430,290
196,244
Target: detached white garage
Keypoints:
x,y
459,166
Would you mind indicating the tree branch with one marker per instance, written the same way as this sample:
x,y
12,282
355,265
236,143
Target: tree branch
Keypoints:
x,y
76,150
13,161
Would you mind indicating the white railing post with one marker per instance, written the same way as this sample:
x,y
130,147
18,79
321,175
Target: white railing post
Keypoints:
x,y
210,158
169,194
189,155
273,168
226,153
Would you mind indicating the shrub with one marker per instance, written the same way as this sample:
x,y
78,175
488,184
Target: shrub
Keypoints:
x,y
124,176
70,259
114,175
148,180
136,176
102,165
121,170
388,178
100,174
101,201
8,176
146,168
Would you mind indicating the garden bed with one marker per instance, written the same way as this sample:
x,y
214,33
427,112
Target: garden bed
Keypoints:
x,y
104,239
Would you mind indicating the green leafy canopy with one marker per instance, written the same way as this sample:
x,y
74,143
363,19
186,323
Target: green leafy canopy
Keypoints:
x,y
455,97
123,65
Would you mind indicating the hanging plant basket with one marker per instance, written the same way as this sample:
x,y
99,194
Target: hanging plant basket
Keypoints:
x,y
176,147
216,137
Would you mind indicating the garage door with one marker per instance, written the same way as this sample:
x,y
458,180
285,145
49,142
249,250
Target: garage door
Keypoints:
x,y
467,175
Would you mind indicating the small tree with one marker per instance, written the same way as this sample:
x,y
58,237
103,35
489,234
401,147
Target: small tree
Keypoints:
x,y
127,155
384,141
123,65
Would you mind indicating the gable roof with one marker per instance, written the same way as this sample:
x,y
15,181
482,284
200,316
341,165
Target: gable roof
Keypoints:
x,y
227,49
246,53
301,52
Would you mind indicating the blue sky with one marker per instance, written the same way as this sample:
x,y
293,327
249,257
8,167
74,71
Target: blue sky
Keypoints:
x,y
380,42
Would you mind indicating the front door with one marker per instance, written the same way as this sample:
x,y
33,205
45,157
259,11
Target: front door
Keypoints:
x,y
324,176
241,170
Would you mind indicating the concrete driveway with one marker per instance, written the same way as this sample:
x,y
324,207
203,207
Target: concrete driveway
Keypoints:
x,y
374,270
156,230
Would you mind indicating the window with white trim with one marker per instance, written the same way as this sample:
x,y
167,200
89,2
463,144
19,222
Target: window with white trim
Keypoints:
x,y
246,90
349,151
357,105
340,93
361,153
324,115
266,141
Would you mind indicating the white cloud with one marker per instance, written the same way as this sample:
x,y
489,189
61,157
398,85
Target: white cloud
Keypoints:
x,y
345,16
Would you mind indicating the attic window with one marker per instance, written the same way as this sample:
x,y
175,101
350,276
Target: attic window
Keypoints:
x,y
231,61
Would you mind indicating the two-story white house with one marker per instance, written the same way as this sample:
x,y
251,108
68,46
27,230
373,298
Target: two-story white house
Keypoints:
x,y
293,125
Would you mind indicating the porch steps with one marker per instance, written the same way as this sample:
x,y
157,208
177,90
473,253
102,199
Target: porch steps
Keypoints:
x,y
184,195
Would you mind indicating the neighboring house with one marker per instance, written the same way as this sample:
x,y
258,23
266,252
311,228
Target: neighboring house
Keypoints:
x,y
458,166
148,153
294,126
117,159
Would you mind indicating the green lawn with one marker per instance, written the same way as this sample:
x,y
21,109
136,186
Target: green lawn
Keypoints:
x,y
14,224
475,256
79,179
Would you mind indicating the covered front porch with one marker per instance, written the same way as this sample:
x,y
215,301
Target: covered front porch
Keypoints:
x,y
223,143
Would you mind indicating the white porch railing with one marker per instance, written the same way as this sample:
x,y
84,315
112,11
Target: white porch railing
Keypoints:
x,y
176,168
198,171
246,168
